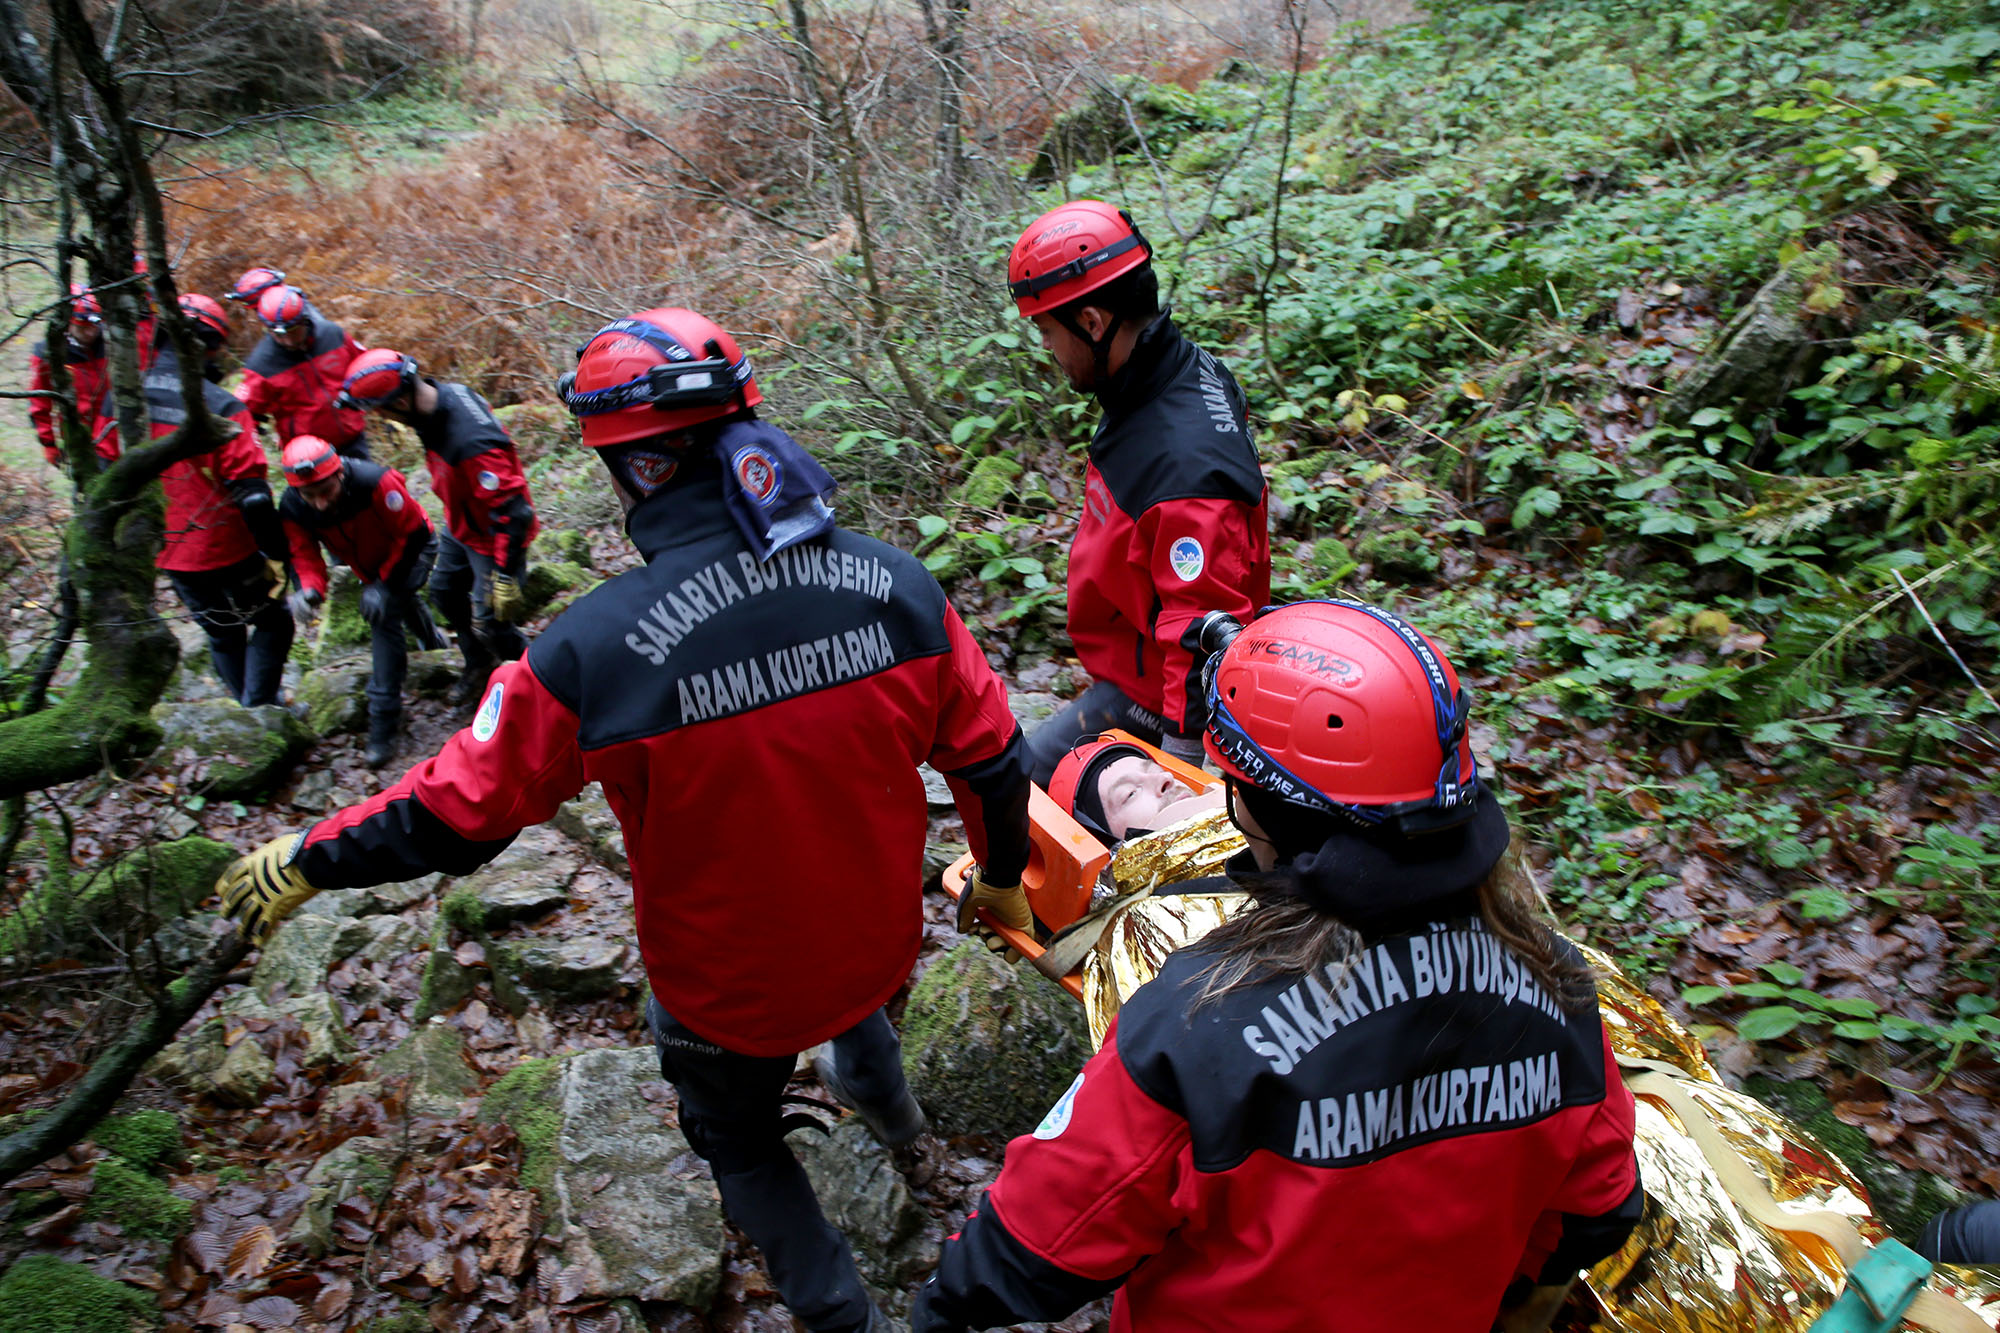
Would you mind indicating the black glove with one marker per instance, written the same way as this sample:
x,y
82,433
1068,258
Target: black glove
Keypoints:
x,y
378,604
302,603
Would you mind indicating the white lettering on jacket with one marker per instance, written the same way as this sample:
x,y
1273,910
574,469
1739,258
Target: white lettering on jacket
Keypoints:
x,y
671,618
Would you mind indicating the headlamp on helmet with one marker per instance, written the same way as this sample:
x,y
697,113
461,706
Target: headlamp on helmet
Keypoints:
x,y
308,460
377,378
1344,708
655,373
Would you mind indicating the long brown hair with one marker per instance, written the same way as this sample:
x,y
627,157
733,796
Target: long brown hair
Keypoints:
x,y
1285,936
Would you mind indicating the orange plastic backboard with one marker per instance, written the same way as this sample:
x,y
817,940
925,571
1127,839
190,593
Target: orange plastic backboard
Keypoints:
x,y
1064,859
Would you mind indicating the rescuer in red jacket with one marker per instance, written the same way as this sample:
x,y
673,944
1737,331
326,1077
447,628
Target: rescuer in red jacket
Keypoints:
x,y
363,513
293,375
1173,522
766,680
477,476
225,550
1295,1128
90,382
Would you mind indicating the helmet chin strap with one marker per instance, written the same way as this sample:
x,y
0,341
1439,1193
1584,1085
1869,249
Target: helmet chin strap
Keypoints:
x,y
1100,348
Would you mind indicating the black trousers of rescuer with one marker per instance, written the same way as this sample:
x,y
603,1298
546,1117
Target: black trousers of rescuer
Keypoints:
x,y
1099,708
462,591
390,653
733,1118
249,633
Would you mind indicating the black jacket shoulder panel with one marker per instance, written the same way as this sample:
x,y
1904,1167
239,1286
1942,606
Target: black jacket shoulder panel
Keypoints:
x,y
1175,427
462,426
704,631
1414,1038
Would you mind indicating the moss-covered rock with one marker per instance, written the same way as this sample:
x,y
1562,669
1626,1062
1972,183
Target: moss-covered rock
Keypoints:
x,y
157,883
44,1294
362,1165
1102,127
551,580
249,750
989,482
1904,1199
335,699
989,1048
432,1058
525,1098
144,1138
566,544
142,1205
340,622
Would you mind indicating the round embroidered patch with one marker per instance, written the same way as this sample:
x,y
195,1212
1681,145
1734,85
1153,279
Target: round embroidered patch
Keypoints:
x,y
1187,559
1057,1120
488,721
651,471
489,481
393,502
757,472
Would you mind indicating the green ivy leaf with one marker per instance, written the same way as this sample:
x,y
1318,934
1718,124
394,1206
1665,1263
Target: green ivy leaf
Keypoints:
x,y
1788,973
1696,996
1768,1024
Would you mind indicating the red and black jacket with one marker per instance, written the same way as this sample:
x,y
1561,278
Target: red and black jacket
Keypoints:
x,y
295,390
375,528
478,476
1380,1146
757,730
219,508
1173,525
90,380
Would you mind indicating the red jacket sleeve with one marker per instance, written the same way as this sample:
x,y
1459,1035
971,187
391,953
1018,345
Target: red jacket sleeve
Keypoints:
x,y
497,489
307,562
516,763
400,515
1598,1202
1201,555
1079,1203
978,749
243,457
259,395
42,411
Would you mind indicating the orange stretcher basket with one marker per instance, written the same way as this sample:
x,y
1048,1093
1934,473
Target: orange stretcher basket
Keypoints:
x,y
1064,860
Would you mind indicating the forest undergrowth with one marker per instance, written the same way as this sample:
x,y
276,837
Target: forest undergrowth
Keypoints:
x,y
1641,352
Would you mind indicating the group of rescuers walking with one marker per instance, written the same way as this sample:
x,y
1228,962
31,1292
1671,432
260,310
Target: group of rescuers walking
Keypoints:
x,y
1301,1124
245,567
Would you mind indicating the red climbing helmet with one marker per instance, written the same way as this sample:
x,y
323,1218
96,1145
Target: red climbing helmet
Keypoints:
x,y
1346,708
83,307
254,283
281,308
1071,250
207,313
654,372
377,378
308,459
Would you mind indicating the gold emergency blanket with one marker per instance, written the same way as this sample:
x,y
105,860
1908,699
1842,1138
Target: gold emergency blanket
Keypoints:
x,y
1696,1263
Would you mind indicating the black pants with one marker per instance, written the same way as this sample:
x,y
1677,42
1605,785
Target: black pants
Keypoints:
x,y
389,621
1098,708
249,634
732,1116
462,591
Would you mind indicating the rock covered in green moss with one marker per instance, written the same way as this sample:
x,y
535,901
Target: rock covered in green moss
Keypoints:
x,y
988,1047
989,482
44,1294
363,1165
249,750
144,1138
335,699
158,882
432,1058
340,622
548,581
137,1202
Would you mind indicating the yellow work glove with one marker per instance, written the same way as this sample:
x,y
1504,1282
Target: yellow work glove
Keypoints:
x,y
1007,902
261,889
281,578
510,605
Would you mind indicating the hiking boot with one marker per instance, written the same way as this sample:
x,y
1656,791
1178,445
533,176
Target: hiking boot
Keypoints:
x,y
382,738
469,686
894,1126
